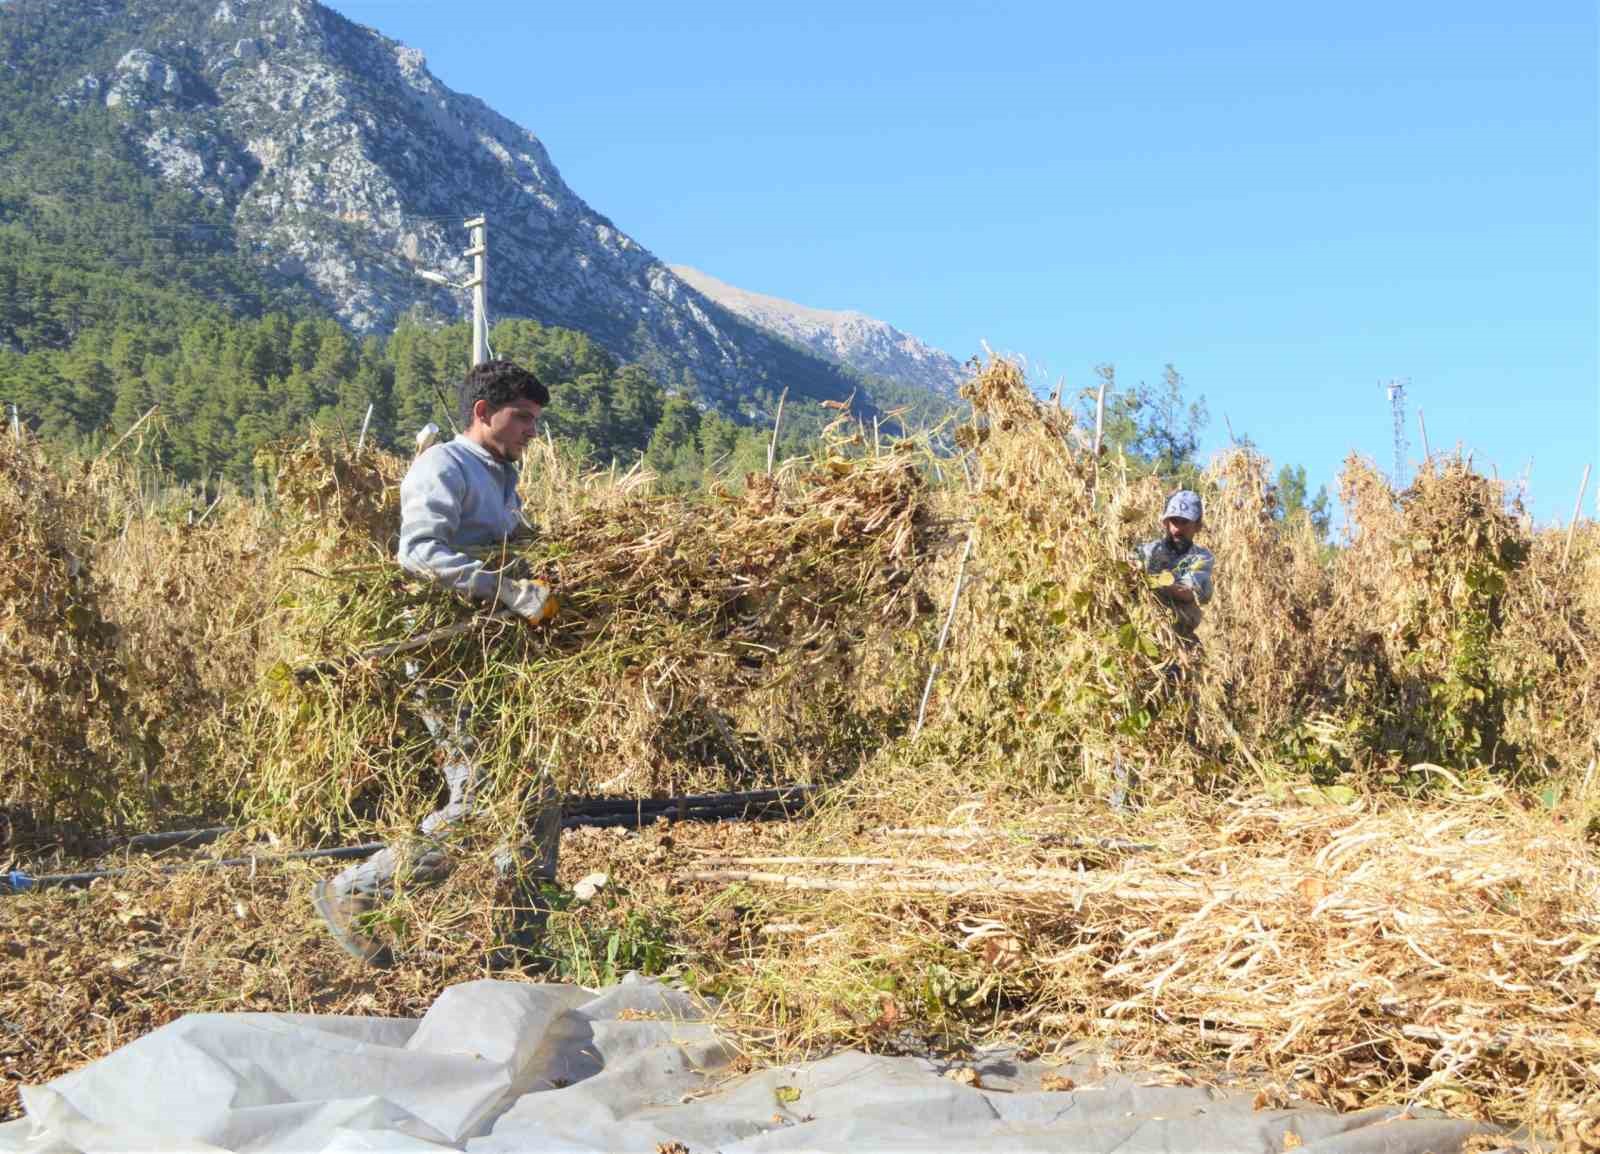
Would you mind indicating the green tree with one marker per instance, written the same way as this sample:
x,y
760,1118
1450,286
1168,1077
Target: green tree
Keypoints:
x,y
1292,502
1157,427
674,448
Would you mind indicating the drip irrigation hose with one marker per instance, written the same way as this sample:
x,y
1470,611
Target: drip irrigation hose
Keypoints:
x,y
574,807
19,881
752,805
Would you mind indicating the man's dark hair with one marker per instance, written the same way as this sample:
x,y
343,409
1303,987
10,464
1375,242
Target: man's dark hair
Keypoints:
x,y
499,383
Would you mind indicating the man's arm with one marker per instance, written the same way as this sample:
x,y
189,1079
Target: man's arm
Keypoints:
x,y
430,515
1194,579
1179,593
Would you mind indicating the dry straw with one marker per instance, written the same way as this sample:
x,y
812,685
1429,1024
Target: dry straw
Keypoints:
x,y
1268,910
1353,852
1447,957
715,643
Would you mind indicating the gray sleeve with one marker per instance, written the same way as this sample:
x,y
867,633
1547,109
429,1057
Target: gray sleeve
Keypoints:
x,y
430,514
1195,572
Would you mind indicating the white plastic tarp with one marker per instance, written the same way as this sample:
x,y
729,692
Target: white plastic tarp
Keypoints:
x,y
506,1066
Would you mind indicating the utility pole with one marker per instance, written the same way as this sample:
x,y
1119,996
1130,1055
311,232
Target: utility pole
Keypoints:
x,y
1397,406
479,284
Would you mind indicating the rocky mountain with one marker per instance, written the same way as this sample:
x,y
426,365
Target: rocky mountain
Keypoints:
x,y
336,162
853,339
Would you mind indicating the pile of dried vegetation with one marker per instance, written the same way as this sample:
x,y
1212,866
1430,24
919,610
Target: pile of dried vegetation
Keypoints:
x,y
1301,892
128,614
1346,845
737,640
67,743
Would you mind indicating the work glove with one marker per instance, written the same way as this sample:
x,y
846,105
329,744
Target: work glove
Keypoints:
x,y
533,601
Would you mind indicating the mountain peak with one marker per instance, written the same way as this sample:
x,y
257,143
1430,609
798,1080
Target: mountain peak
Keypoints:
x,y
844,336
345,167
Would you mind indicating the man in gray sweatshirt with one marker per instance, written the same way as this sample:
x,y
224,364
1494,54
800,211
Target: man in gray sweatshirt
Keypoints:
x,y
458,498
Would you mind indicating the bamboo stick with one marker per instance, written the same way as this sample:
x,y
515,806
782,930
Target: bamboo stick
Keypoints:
x,y
973,832
1121,891
211,508
1099,417
133,428
777,423
1577,509
929,864
944,634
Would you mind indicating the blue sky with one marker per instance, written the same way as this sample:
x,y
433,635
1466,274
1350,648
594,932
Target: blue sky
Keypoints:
x,y
1290,204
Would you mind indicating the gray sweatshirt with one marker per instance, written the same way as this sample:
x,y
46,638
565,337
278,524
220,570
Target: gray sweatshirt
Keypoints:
x,y
457,496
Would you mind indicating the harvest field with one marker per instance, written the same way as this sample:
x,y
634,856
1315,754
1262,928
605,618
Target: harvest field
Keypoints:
x,y
1347,848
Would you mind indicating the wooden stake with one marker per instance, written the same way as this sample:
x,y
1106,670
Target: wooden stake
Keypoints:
x,y
944,634
1099,417
1577,509
777,422
361,441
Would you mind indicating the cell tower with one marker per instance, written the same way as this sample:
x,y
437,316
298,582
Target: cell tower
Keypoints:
x,y
1397,405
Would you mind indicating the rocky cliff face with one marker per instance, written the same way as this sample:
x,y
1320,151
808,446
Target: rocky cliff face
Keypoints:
x,y
347,165
848,338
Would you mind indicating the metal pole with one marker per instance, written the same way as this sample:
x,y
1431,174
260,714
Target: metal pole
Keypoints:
x,y
1423,426
361,441
479,284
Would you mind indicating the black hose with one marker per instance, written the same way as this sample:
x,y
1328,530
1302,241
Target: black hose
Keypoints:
x,y
17,882
574,807
754,804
